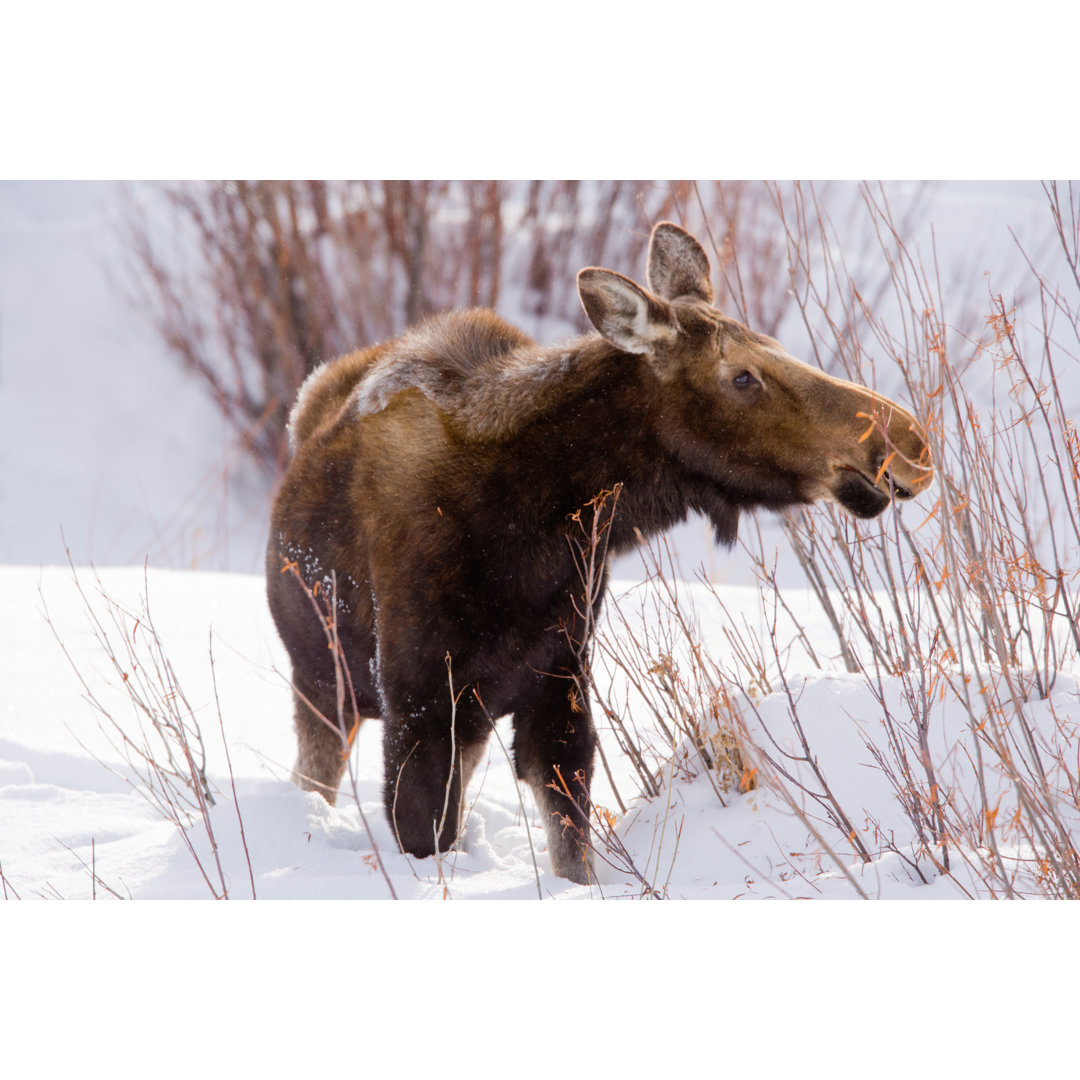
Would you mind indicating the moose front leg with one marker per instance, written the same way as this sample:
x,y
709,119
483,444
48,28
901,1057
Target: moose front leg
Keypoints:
x,y
427,773
554,746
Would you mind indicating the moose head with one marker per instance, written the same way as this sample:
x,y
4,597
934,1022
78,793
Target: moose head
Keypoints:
x,y
736,408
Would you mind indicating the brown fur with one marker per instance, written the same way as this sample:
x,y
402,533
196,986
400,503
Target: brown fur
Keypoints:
x,y
434,478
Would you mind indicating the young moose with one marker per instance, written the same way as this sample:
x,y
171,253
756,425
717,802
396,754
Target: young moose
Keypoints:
x,y
432,491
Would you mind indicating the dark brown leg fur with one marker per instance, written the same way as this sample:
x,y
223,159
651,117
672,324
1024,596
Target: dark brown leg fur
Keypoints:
x,y
554,745
424,795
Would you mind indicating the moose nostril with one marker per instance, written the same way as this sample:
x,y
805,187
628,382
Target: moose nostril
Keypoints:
x,y
883,472
899,491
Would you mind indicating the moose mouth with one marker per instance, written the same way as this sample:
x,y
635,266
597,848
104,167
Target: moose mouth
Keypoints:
x,y
859,495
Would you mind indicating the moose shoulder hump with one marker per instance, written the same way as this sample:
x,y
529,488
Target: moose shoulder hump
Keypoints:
x,y
487,375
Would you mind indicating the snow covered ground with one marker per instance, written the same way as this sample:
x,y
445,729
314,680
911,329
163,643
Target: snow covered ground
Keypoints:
x,y
77,820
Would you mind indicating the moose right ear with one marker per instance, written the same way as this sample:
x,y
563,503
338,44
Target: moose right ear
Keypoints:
x,y
678,265
624,313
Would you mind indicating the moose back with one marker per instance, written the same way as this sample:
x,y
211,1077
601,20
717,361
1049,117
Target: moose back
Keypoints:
x,y
421,565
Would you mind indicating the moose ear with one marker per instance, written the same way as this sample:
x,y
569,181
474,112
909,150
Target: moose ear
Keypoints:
x,y
678,265
624,313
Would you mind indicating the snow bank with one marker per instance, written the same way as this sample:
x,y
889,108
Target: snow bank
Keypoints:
x,y
75,820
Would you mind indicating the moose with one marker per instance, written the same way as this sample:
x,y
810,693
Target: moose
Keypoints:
x,y
431,500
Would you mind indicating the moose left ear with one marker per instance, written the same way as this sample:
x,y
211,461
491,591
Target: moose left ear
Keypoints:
x,y
678,265
624,313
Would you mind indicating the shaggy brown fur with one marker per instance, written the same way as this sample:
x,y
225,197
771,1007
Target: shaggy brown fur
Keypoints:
x,y
435,478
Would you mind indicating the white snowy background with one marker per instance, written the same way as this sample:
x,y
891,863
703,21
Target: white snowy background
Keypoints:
x,y
106,445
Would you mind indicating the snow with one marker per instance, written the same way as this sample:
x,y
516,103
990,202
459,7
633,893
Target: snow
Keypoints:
x,y
70,802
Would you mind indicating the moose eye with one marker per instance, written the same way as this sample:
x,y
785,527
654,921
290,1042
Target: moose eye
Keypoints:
x,y
744,380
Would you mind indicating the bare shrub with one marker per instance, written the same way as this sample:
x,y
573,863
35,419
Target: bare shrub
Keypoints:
x,y
977,602
7,890
650,662
162,743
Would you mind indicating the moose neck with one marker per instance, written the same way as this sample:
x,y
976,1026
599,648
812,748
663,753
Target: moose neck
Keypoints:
x,y
604,433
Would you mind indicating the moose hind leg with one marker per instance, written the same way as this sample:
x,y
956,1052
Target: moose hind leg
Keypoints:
x,y
323,741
